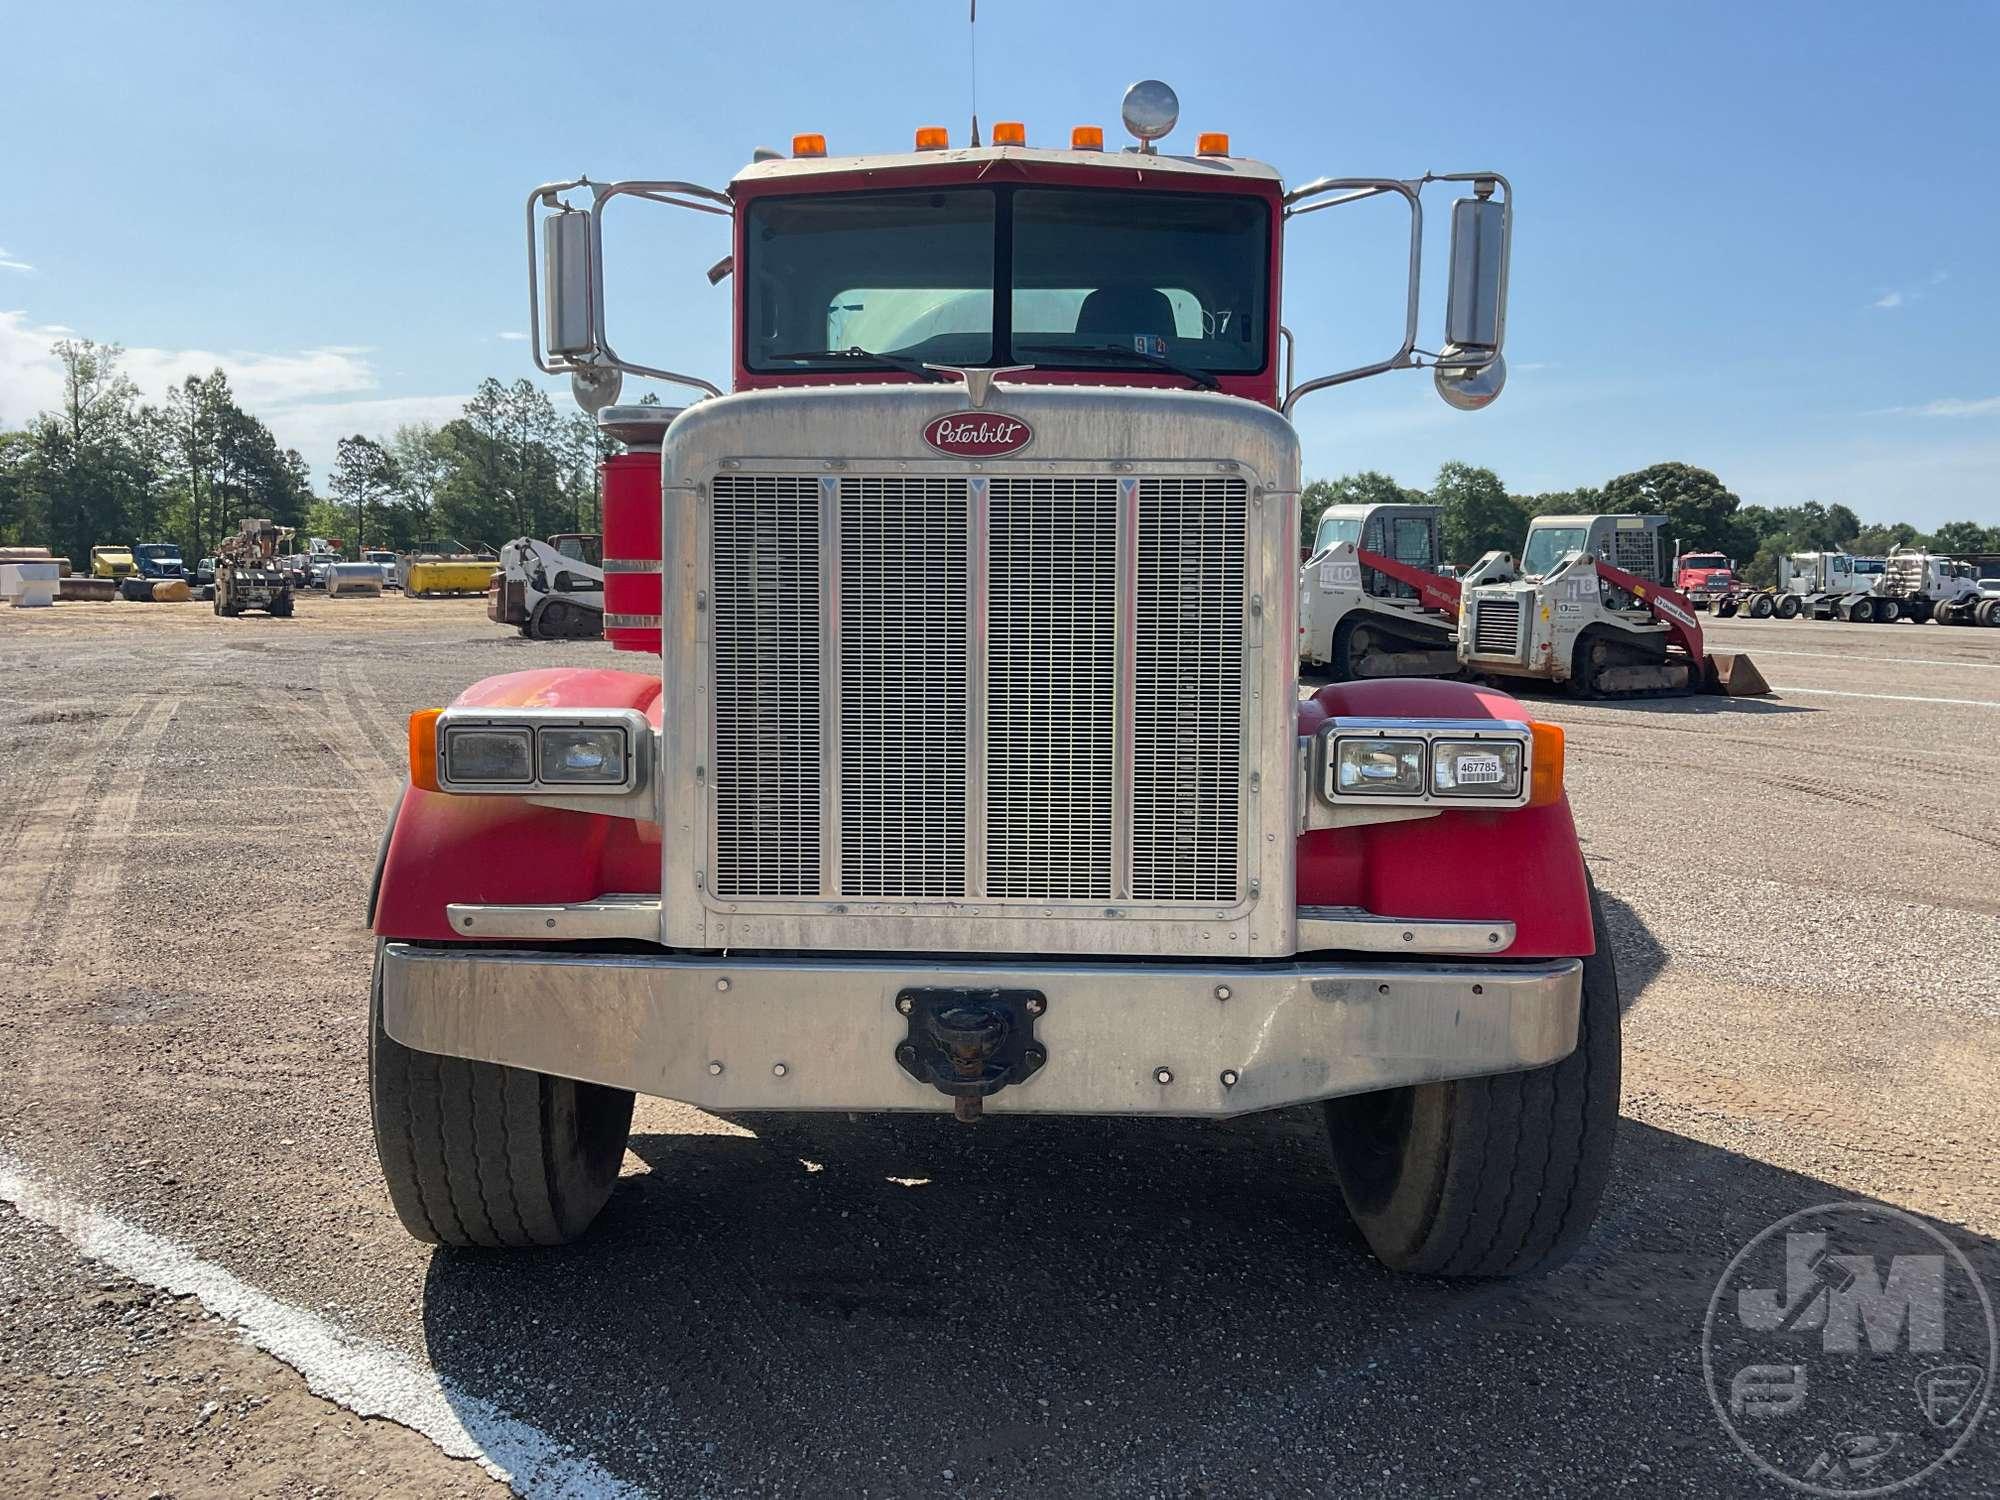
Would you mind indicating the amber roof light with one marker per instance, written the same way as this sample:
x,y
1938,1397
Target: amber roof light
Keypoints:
x,y
1009,133
933,138
1087,138
809,145
1212,143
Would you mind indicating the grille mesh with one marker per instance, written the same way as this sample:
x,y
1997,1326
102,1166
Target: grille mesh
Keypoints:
x,y
1052,632
1496,627
766,592
1187,725
903,737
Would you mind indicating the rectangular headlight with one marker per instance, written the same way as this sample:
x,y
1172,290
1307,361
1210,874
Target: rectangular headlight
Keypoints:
x,y
1476,768
489,756
1376,767
592,757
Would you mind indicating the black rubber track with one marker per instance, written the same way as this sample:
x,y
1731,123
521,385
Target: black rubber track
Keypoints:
x,y
477,1154
1497,1176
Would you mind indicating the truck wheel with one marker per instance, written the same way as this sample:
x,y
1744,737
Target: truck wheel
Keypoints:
x,y
1495,1176
1887,611
1723,608
1761,607
1788,607
479,1154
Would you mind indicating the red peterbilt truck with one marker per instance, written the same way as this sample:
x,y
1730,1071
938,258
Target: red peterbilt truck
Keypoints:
x,y
973,774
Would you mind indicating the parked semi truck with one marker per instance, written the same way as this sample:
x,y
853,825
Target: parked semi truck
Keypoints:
x,y
1703,577
971,772
113,560
1372,601
1944,590
1588,606
1832,586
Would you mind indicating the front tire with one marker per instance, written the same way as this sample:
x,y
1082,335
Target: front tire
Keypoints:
x,y
477,1154
1494,1176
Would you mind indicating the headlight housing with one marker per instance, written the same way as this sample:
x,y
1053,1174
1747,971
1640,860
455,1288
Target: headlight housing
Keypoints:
x,y
1434,763
530,751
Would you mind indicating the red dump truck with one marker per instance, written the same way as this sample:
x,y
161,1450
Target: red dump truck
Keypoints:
x,y
963,765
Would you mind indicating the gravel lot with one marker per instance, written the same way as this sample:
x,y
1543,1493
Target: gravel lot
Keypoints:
x,y
1804,899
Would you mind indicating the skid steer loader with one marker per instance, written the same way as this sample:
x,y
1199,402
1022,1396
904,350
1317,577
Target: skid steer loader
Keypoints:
x,y
1371,600
1587,606
551,590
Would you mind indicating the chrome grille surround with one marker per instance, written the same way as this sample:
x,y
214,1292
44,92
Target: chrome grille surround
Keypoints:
x,y
1048,627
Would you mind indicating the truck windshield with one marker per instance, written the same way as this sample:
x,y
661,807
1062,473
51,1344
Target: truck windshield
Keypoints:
x,y
1547,546
1333,530
971,276
159,549
1706,560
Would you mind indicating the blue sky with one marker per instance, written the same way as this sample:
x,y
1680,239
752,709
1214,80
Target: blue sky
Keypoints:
x,y
1760,238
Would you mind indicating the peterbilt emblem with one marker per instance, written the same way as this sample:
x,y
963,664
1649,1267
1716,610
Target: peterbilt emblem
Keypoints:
x,y
978,434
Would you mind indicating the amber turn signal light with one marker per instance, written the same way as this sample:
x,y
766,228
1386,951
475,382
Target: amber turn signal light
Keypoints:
x,y
424,749
1545,773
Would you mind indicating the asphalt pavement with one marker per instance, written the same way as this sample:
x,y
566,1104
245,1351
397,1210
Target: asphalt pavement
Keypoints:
x,y
1804,893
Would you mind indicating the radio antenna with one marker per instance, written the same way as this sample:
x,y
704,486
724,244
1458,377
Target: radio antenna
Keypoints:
x,y
972,56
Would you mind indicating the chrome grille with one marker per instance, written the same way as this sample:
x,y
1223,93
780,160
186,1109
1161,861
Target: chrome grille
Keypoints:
x,y
903,739
1187,690
766,751
1496,627
1051,683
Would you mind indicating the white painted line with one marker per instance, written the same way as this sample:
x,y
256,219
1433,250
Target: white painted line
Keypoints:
x,y
367,1378
1897,661
1887,697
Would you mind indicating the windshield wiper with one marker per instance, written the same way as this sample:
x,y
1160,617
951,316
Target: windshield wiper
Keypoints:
x,y
855,352
1199,376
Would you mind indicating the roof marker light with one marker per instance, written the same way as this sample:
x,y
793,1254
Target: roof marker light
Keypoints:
x,y
1009,133
1212,143
809,145
1087,138
933,138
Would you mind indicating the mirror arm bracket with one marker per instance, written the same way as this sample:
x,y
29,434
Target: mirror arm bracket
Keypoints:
x,y
549,195
1355,189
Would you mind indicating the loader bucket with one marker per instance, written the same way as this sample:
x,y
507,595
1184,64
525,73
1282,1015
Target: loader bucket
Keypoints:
x,y
1731,674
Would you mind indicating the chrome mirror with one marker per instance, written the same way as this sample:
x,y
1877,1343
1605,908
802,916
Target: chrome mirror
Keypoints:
x,y
568,271
1469,372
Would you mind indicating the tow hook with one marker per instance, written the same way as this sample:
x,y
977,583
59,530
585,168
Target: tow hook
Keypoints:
x,y
970,1043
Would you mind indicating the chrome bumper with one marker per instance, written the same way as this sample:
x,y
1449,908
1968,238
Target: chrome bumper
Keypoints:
x,y
1121,1038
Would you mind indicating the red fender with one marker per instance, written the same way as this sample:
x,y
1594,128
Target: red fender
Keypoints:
x,y
1521,866
499,850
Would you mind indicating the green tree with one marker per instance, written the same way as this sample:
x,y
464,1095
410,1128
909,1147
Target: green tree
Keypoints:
x,y
1966,536
1701,510
1479,515
364,475
1877,541
1369,487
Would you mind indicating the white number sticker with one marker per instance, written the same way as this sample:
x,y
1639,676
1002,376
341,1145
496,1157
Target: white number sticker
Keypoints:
x,y
1478,770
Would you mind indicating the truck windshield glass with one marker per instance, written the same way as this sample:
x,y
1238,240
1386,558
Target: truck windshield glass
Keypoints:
x,y
968,276
1548,545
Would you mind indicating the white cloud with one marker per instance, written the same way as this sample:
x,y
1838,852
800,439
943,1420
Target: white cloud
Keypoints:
x,y
8,263
1888,299
512,336
293,393
1945,406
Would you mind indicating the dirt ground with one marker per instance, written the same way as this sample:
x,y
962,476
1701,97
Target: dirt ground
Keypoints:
x,y
1803,897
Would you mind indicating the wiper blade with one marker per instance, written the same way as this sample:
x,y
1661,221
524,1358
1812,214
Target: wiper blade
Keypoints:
x,y
1199,376
855,352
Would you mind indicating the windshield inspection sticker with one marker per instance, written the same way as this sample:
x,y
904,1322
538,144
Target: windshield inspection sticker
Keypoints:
x,y
1850,1350
1479,770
